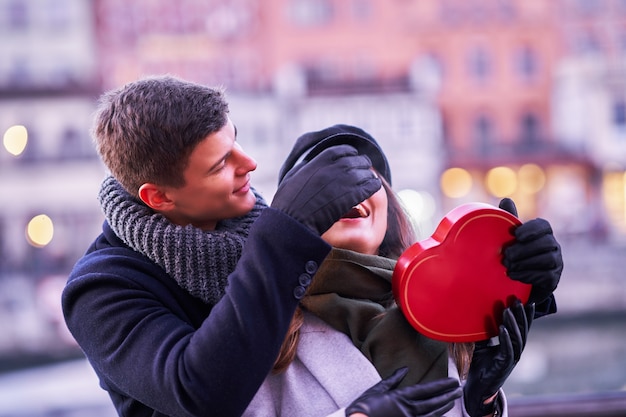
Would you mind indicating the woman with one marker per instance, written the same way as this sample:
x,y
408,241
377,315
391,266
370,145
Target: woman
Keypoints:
x,y
348,332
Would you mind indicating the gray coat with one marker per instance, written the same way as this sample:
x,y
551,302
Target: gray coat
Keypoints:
x,y
328,373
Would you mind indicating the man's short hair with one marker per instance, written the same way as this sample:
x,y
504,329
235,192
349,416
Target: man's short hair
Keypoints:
x,y
146,130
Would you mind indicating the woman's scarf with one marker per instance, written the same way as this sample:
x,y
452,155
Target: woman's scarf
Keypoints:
x,y
352,293
199,261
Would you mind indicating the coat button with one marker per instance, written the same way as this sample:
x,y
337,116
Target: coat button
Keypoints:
x,y
304,280
299,292
311,267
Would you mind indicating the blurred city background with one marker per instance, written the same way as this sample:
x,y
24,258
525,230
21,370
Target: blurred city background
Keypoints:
x,y
472,100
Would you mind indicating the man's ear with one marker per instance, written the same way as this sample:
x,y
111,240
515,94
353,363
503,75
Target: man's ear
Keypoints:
x,y
154,197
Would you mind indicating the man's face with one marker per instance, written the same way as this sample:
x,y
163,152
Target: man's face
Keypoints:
x,y
217,182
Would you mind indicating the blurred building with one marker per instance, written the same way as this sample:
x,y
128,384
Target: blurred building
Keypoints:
x,y
471,100
589,105
289,67
48,86
493,64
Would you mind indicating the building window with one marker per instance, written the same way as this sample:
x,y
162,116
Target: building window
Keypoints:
x,y
17,11
526,63
479,64
19,73
506,10
483,134
588,7
622,39
33,152
587,43
619,115
361,9
4,260
324,70
450,12
72,145
478,12
310,12
57,15
529,130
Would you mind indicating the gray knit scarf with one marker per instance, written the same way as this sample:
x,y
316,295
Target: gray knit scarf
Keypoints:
x,y
199,261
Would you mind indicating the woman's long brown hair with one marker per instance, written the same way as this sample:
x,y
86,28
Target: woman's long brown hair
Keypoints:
x,y
399,236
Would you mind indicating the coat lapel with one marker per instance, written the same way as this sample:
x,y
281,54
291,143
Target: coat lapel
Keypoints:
x,y
331,357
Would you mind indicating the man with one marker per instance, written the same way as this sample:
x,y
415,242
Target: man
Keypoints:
x,y
175,314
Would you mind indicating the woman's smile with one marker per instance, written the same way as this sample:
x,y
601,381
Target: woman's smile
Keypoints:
x,y
357,212
362,228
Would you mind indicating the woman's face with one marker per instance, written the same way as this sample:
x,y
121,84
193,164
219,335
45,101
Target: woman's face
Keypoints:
x,y
363,228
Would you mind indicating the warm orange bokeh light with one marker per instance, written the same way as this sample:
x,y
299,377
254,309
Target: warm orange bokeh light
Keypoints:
x,y
531,178
456,182
15,139
39,231
501,181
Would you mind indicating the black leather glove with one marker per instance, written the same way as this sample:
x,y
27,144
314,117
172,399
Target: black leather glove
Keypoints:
x,y
492,365
318,192
428,399
507,204
534,257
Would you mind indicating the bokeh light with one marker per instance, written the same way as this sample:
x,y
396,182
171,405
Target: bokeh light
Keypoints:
x,y
614,194
39,231
501,181
419,204
531,178
456,182
15,139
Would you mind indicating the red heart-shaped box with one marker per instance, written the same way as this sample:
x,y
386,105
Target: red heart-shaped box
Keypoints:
x,y
452,286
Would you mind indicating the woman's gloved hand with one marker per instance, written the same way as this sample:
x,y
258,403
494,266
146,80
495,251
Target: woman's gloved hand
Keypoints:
x,y
427,399
534,257
318,192
492,365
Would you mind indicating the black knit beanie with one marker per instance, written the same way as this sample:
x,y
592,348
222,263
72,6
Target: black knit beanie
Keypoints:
x,y
312,143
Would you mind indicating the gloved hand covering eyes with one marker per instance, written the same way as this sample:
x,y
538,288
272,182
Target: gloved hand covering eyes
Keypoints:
x,y
317,193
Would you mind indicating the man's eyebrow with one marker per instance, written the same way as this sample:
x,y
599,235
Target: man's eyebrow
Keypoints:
x,y
235,126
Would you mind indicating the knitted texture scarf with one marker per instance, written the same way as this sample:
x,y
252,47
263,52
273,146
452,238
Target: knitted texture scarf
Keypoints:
x,y
199,261
352,293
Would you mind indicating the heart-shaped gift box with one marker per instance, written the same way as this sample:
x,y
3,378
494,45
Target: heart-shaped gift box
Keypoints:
x,y
453,286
